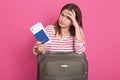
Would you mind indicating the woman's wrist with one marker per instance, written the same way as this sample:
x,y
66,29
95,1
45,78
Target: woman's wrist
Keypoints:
x,y
76,25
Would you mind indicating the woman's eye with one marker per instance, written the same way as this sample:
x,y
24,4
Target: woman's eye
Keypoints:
x,y
67,17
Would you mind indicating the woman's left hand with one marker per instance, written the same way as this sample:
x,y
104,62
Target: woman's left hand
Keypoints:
x,y
72,16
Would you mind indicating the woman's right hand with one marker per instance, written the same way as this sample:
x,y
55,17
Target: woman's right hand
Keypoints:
x,y
40,48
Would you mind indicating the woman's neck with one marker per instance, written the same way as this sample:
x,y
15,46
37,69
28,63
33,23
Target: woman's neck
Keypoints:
x,y
64,33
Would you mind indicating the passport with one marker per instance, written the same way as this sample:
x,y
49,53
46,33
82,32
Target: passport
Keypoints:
x,y
39,33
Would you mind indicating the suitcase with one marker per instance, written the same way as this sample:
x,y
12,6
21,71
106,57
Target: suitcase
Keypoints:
x,y
62,66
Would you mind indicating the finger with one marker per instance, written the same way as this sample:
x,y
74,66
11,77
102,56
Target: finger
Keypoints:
x,y
69,13
41,48
73,12
38,43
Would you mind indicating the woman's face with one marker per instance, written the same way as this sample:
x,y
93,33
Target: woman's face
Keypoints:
x,y
64,20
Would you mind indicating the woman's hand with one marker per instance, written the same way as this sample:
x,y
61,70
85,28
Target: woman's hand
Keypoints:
x,y
72,16
40,48
78,30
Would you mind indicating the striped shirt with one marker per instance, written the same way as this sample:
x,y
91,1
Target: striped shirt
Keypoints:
x,y
62,45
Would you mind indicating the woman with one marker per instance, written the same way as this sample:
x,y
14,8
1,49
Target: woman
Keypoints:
x,y
66,34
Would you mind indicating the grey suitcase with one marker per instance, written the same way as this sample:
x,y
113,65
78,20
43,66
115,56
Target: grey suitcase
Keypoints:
x,y
62,66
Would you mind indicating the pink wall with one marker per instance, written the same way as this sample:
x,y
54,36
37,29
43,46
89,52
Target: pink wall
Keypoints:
x,y
101,28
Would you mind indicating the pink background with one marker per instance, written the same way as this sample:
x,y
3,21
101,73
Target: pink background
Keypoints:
x,y
101,20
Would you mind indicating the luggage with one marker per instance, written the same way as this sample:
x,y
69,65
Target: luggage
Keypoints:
x,y
62,66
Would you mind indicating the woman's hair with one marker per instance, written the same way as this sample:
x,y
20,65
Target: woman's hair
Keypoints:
x,y
70,7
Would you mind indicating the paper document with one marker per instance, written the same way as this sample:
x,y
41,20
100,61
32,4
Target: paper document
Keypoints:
x,y
39,33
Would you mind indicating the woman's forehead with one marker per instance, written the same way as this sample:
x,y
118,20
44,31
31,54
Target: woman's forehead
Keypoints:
x,y
66,11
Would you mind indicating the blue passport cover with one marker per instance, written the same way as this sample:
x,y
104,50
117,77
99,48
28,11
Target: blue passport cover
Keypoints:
x,y
41,36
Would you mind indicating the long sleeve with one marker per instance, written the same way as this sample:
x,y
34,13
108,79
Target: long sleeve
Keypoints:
x,y
79,46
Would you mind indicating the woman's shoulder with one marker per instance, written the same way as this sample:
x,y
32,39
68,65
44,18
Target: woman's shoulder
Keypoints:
x,y
49,27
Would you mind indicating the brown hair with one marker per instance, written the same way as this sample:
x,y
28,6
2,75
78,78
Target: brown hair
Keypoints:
x,y
70,7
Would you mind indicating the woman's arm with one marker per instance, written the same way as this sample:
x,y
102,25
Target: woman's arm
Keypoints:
x,y
79,33
79,43
78,30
